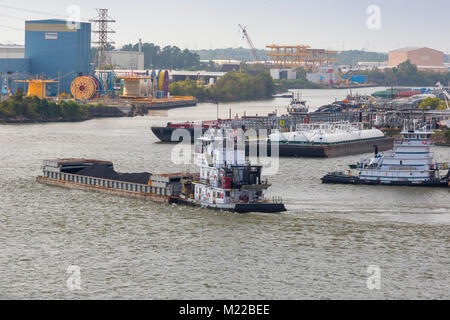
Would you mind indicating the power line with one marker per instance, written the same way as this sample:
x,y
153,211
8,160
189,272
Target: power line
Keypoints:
x,y
12,17
13,28
30,10
39,12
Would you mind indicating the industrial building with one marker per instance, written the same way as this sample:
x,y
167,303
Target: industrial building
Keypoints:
x,y
12,52
58,50
127,59
283,74
326,76
13,66
54,50
226,65
424,58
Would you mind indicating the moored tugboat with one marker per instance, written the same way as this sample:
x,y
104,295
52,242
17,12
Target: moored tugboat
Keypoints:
x,y
409,163
297,106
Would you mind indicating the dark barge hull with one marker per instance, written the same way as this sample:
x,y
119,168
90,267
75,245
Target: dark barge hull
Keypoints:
x,y
99,187
346,179
259,207
332,150
165,133
241,207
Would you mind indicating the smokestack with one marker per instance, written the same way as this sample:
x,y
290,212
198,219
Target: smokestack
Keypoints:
x,y
140,45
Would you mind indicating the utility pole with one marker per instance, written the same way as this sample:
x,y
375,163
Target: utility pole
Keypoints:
x,y
101,21
59,81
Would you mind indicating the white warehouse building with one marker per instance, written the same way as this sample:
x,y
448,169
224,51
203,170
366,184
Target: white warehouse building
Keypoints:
x,y
127,59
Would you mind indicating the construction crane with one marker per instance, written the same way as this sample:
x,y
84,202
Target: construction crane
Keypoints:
x,y
250,43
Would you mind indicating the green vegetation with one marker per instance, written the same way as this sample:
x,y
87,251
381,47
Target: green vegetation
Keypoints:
x,y
301,83
441,136
231,87
241,54
406,74
433,104
169,57
352,57
21,109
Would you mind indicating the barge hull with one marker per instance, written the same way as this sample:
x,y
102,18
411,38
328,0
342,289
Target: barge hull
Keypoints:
x,y
333,150
342,179
124,193
239,207
165,134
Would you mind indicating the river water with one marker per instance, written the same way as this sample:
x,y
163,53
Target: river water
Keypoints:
x,y
321,247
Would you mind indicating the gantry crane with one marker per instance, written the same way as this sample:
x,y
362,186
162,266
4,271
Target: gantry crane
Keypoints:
x,y
250,43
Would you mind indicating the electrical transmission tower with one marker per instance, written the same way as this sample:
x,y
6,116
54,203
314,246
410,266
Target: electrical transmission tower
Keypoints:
x,y
101,21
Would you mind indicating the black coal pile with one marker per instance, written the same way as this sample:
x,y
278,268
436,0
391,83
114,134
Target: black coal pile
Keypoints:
x,y
105,172
138,177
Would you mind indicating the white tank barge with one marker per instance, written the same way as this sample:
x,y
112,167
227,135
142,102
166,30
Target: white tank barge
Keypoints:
x,y
329,140
231,186
409,163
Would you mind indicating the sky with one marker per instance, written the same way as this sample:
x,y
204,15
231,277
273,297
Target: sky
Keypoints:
x,y
209,24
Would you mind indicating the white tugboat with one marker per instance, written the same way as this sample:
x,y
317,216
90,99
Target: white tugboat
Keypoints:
x,y
227,181
297,105
409,163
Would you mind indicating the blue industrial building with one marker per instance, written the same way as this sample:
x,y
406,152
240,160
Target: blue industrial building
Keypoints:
x,y
52,48
55,46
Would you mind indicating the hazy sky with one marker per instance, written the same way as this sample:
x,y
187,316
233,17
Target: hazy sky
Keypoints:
x,y
207,24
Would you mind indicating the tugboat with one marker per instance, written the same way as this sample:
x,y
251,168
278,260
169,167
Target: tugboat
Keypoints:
x,y
409,163
227,181
297,106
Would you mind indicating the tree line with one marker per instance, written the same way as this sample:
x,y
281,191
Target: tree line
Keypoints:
x,y
231,87
405,74
35,109
168,57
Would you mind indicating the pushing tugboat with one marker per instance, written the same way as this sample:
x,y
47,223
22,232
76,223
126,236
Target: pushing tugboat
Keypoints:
x,y
410,163
226,181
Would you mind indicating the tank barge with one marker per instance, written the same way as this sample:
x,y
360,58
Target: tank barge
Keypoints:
x,y
410,163
236,186
329,140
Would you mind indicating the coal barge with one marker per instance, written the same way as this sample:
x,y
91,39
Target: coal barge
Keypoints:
x,y
234,186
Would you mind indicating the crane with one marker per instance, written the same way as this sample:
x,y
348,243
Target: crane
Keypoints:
x,y
250,43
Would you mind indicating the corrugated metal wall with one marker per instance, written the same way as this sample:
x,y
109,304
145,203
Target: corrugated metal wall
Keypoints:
x,y
52,47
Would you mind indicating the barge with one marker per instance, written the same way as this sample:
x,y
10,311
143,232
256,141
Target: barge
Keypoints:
x,y
410,163
229,185
329,140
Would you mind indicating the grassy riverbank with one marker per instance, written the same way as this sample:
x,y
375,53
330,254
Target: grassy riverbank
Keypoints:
x,y
22,109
